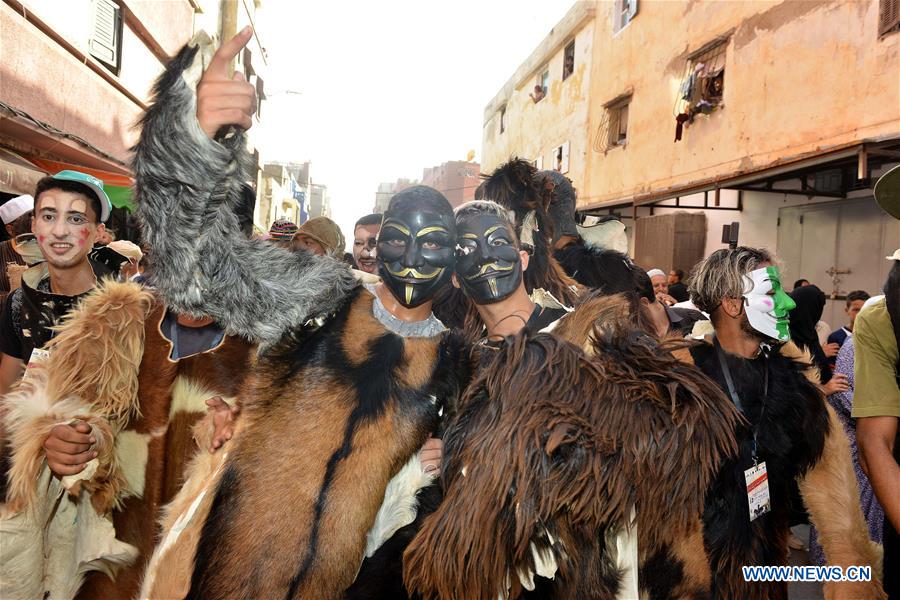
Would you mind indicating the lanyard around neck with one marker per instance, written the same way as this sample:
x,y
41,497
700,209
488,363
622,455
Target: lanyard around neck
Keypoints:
x,y
732,391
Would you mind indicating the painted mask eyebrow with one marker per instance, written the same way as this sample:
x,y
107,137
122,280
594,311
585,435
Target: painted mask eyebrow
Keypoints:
x,y
434,229
393,225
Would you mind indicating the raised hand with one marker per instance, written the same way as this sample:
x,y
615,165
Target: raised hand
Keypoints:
x,y
224,100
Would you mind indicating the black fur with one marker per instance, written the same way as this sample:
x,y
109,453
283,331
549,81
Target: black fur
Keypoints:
x,y
381,575
599,268
659,574
214,529
791,428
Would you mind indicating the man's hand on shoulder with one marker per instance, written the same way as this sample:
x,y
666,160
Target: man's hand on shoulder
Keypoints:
x,y
69,448
223,416
431,455
224,100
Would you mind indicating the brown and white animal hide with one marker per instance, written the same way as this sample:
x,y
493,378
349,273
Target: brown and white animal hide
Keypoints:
x,y
330,415
146,427
105,330
553,446
162,441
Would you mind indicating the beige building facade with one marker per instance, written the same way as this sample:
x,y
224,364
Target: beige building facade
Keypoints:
x,y
76,76
787,113
552,132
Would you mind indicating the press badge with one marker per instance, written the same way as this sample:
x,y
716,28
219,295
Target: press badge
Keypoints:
x,y
758,490
38,358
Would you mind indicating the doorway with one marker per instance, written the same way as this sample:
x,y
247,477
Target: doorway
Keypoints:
x,y
839,246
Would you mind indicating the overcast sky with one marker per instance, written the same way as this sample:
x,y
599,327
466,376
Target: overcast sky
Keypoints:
x,y
387,88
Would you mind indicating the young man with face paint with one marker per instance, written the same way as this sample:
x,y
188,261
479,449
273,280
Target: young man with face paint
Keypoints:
x,y
489,269
69,211
790,433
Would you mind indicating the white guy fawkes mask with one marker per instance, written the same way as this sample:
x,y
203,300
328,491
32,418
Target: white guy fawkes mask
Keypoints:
x,y
767,303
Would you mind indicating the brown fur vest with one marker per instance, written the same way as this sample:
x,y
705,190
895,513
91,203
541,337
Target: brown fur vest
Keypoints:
x,y
172,396
110,365
330,414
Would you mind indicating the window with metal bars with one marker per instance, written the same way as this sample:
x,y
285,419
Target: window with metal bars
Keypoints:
x,y
702,88
105,43
888,16
613,129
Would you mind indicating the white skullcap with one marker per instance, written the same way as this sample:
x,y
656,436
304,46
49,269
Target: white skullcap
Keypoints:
x,y
654,272
15,208
129,250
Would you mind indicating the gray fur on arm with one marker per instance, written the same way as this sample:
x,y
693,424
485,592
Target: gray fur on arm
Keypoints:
x,y
187,187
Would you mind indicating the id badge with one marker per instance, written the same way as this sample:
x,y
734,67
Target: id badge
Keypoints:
x,y
38,358
758,490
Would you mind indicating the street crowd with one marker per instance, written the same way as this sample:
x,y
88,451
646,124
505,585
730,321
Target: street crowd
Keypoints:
x,y
486,401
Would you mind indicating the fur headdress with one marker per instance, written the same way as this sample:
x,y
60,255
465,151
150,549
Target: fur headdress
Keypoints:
x,y
519,187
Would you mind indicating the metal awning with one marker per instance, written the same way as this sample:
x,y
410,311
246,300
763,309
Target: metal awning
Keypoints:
x,y
858,157
17,175
116,185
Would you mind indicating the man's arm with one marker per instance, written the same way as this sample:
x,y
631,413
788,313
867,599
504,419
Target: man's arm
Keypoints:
x,y
876,408
187,190
11,369
875,436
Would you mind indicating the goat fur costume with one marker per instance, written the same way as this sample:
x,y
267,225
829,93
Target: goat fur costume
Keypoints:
x,y
108,365
322,467
557,441
798,437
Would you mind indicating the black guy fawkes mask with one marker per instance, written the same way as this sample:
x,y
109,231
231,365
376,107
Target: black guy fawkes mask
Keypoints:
x,y
416,253
488,265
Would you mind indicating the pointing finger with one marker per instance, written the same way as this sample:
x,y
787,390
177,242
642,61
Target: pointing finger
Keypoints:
x,y
218,66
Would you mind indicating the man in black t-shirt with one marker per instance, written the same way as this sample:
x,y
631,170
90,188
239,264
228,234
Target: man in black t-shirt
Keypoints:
x,y
69,211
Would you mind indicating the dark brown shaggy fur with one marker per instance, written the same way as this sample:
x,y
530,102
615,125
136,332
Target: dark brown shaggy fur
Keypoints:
x,y
551,439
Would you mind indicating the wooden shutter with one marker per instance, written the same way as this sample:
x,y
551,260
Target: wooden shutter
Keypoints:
x,y
888,16
632,8
106,33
